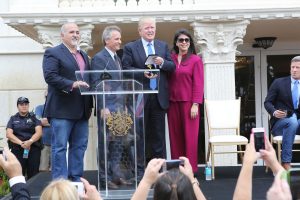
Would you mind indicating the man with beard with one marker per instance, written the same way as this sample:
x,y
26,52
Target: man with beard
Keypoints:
x,y
67,110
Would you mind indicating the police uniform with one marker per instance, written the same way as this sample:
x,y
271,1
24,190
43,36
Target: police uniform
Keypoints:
x,y
23,128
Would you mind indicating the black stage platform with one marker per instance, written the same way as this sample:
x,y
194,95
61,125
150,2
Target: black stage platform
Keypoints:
x,y
221,188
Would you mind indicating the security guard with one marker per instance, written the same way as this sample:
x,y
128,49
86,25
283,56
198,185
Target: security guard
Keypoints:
x,y
23,132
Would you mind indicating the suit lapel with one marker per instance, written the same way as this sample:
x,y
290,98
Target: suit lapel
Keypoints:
x,y
69,55
140,50
287,84
157,47
110,60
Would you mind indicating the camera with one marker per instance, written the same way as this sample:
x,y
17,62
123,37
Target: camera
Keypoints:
x,y
79,187
259,138
171,164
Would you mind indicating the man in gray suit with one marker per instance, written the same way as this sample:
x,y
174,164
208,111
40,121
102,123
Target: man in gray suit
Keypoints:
x,y
107,59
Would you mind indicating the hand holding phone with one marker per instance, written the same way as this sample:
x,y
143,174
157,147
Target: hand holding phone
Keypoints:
x,y
79,187
293,178
259,138
280,188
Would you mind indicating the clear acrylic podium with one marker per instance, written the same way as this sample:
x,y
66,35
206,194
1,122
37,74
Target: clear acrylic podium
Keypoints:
x,y
119,100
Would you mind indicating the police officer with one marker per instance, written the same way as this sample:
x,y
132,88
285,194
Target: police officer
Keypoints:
x,y
23,132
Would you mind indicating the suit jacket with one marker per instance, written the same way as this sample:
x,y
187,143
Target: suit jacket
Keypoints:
x,y
186,83
103,61
279,97
59,68
134,57
19,191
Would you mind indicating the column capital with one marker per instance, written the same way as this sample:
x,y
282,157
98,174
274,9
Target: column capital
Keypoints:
x,y
218,41
49,36
85,42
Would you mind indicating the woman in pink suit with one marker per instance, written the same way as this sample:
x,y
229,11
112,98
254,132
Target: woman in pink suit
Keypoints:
x,y
186,93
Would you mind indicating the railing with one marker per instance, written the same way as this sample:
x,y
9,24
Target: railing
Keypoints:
x,y
109,3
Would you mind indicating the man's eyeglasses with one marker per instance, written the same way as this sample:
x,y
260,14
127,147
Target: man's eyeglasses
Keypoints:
x,y
181,40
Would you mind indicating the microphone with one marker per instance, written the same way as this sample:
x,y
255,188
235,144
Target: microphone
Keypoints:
x,y
105,75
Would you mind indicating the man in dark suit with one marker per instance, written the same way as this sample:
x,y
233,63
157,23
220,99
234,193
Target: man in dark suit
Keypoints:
x,y
282,103
107,59
67,110
134,57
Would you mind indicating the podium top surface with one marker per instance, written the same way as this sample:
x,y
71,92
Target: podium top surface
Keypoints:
x,y
102,82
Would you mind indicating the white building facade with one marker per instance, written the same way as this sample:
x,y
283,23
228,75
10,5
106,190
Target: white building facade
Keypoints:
x,y
222,30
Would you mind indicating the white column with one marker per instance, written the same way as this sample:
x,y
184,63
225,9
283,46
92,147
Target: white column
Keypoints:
x,y
218,43
85,42
49,36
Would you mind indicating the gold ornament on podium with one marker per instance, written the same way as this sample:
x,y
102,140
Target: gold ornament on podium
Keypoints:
x,y
119,123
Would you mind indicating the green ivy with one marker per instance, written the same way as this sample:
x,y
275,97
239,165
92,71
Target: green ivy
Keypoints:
x,y
4,184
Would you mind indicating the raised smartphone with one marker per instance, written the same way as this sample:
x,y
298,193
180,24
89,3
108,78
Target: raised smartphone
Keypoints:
x,y
259,138
294,181
170,164
79,186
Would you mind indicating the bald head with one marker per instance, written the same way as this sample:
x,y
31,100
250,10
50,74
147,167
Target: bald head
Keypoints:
x,y
70,35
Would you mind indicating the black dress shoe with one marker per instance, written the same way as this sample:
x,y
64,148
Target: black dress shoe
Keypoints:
x,y
112,185
122,181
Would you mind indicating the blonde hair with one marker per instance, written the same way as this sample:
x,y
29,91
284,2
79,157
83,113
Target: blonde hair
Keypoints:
x,y
143,20
60,189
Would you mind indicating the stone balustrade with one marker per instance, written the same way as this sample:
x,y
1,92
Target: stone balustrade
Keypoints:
x,y
108,3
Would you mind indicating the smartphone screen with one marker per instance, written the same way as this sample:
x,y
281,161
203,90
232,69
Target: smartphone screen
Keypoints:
x,y
294,181
170,164
79,186
259,138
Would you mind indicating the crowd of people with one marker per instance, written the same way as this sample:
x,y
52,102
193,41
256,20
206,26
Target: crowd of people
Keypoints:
x,y
63,119
176,183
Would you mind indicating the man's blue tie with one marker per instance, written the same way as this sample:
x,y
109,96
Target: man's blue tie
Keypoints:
x,y
153,80
295,94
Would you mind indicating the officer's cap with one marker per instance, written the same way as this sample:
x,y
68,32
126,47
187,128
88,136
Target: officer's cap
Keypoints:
x,y
22,100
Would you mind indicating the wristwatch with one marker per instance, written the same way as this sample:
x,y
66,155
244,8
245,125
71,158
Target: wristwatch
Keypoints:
x,y
195,181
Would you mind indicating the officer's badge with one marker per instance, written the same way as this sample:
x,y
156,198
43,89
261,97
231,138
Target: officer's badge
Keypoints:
x,y
119,123
29,121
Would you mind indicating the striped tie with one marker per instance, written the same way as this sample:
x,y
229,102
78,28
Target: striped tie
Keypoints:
x,y
153,80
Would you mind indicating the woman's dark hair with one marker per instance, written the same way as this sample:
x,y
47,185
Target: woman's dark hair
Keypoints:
x,y
173,185
185,32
